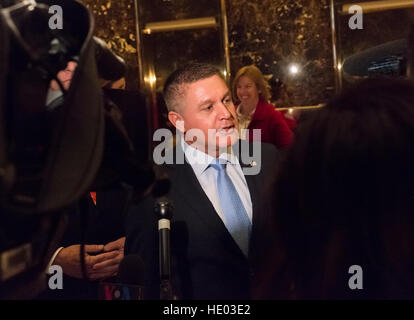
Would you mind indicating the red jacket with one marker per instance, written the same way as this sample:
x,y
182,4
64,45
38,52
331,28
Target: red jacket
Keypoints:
x,y
273,125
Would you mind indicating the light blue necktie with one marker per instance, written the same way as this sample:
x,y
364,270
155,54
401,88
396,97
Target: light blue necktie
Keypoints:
x,y
236,219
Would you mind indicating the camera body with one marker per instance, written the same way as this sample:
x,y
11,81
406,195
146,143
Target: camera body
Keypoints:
x,y
48,159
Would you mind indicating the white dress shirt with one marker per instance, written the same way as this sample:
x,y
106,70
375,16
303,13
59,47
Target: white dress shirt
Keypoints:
x,y
52,95
244,121
207,177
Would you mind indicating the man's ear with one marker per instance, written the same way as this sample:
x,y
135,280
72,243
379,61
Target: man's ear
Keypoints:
x,y
177,120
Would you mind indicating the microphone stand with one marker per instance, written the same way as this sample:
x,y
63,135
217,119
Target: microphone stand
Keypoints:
x,y
163,209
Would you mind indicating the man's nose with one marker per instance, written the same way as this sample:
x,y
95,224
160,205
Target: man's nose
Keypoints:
x,y
224,111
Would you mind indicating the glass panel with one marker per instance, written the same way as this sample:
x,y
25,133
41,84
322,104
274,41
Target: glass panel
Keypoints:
x,y
290,42
169,50
378,49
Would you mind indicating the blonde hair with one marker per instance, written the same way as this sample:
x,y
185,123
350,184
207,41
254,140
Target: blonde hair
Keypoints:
x,y
253,73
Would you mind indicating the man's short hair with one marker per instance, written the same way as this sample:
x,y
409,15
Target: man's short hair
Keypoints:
x,y
174,87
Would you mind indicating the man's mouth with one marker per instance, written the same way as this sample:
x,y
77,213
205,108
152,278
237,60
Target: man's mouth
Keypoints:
x,y
226,130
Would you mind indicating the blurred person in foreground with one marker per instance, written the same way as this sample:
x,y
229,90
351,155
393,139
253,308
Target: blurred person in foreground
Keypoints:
x,y
344,198
103,212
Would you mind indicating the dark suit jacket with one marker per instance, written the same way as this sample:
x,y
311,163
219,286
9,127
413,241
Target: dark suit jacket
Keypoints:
x,y
206,261
105,222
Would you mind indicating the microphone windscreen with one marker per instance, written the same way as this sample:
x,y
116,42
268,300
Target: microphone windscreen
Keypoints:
x,y
132,271
161,187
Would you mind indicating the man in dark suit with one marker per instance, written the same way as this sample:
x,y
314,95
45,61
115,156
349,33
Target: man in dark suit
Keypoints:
x,y
219,227
102,212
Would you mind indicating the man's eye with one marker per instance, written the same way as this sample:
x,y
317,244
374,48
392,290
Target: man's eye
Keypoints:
x,y
208,107
227,100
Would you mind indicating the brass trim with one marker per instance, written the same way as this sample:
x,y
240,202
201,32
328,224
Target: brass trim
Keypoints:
x,y
381,5
318,106
336,64
184,24
225,39
139,45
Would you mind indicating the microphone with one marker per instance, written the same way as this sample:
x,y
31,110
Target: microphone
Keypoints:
x,y
162,184
131,282
163,209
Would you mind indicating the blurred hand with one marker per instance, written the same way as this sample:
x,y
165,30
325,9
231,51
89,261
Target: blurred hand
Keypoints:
x,y
69,259
115,245
109,267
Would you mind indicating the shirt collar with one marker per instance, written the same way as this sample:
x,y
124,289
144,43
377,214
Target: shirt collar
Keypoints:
x,y
241,115
200,161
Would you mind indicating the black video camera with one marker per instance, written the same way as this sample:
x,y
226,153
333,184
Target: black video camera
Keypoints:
x,y
48,159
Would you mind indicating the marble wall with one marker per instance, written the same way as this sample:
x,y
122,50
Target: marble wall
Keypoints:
x,y
276,34
115,23
272,34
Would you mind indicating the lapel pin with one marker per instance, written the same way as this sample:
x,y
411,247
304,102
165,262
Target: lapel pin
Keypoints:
x,y
253,163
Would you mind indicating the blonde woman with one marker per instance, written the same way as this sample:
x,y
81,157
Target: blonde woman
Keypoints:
x,y
251,95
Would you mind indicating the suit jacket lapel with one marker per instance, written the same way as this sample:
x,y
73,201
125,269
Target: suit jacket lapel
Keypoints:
x,y
253,184
252,180
188,189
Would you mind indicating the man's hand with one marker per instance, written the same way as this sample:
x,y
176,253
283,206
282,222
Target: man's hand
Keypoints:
x,y
69,259
115,245
109,267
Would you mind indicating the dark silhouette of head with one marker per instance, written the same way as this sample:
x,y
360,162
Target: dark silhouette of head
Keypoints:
x,y
345,196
